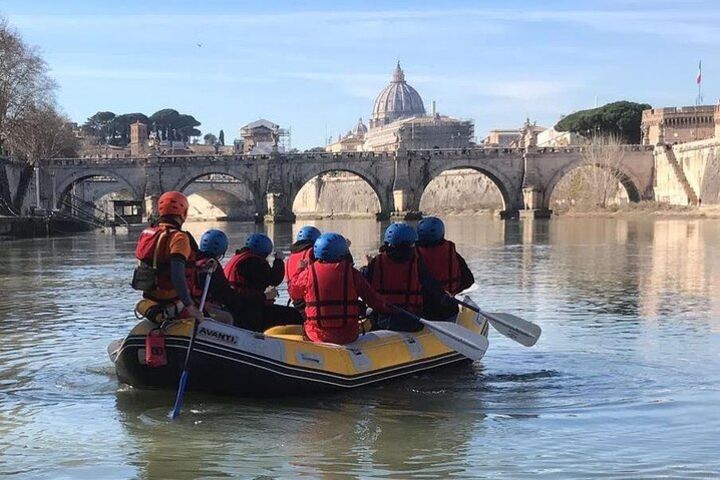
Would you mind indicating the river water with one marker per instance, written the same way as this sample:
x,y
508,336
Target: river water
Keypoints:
x,y
624,383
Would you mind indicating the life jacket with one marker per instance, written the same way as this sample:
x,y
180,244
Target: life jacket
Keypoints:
x,y
332,298
399,282
199,283
236,280
442,261
152,249
294,260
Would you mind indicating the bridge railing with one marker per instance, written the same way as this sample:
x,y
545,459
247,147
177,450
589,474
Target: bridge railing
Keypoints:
x,y
478,151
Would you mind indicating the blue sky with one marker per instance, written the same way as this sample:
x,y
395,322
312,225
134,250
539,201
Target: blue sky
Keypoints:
x,y
317,66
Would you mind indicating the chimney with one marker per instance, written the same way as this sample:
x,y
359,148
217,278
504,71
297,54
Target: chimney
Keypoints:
x,y
433,108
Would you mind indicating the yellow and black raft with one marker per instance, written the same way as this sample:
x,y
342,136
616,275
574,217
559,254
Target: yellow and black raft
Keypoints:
x,y
231,360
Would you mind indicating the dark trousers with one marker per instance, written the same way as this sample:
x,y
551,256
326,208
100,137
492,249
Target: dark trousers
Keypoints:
x,y
259,317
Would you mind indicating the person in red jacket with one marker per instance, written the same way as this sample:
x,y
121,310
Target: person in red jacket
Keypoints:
x,y
166,258
441,258
301,250
249,273
399,274
223,302
332,289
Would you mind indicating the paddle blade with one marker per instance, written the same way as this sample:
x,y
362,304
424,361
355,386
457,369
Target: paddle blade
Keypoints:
x,y
456,337
524,332
180,394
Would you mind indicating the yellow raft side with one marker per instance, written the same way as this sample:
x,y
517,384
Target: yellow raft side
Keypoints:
x,y
374,351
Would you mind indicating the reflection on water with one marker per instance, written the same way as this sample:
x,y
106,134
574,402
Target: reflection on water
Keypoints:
x,y
624,382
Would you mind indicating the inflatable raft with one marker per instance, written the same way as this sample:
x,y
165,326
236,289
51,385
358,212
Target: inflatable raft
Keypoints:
x,y
230,360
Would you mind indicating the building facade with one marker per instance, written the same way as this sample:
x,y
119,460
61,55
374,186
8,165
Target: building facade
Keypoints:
x,y
673,125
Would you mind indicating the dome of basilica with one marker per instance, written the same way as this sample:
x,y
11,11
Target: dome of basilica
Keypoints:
x,y
397,100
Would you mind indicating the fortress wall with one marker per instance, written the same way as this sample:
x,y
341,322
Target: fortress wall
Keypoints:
x,y
699,170
700,161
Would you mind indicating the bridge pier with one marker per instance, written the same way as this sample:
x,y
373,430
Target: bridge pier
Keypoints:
x,y
405,207
278,208
534,202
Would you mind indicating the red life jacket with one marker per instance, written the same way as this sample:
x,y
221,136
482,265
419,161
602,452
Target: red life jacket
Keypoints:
x,y
443,263
199,283
153,248
332,307
399,282
293,261
236,280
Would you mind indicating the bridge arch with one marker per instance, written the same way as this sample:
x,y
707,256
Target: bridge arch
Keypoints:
x,y
625,178
223,190
510,195
64,184
382,195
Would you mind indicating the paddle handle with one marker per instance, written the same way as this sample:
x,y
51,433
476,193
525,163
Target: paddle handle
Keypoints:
x,y
185,373
466,305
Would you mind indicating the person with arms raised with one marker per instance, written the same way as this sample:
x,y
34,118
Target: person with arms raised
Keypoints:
x,y
331,289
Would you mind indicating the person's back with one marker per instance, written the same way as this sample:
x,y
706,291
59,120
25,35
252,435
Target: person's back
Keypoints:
x,y
395,275
441,258
249,273
166,255
331,288
301,250
223,302
248,270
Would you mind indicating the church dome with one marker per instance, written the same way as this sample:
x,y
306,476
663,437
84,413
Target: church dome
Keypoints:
x,y
360,129
397,100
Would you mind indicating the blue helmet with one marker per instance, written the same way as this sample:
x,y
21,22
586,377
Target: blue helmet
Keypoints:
x,y
430,230
259,244
330,247
399,234
308,233
214,243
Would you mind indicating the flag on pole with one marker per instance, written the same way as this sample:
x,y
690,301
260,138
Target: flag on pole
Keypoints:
x,y
698,79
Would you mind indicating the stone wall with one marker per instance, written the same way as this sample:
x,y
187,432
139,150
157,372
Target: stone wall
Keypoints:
x,y
337,194
688,173
461,191
346,195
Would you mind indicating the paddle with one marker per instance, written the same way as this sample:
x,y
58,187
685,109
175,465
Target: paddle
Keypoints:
x,y
456,337
524,332
184,377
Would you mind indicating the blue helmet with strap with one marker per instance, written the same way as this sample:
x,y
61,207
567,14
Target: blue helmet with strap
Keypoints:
x,y
214,243
308,233
260,244
398,234
430,230
330,247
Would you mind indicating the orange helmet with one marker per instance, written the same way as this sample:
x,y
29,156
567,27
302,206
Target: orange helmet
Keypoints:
x,y
173,203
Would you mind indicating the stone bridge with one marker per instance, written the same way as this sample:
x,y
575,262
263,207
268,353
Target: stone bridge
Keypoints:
x,y
526,178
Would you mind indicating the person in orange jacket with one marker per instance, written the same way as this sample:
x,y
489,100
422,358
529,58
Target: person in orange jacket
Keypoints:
x,y
331,289
166,257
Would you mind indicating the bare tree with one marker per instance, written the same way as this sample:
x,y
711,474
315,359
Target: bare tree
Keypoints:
x,y
596,183
41,133
24,82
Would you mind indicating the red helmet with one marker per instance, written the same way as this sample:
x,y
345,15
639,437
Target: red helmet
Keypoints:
x,y
173,203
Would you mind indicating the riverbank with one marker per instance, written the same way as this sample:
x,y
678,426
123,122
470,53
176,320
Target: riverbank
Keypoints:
x,y
29,227
642,209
